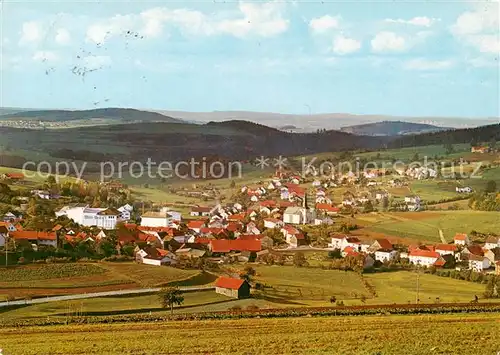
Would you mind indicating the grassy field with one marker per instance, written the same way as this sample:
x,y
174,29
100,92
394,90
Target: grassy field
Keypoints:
x,y
425,225
444,334
53,279
400,287
308,286
284,286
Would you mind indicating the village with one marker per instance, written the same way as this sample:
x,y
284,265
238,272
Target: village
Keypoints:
x,y
270,220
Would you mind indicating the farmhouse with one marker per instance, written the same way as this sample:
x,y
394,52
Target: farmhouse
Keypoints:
x,y
461,239
155,256
327,208
480,149
424,257
273,223
446,249
200,211
492,242
385,255
478,263
462,190
234,288
35,237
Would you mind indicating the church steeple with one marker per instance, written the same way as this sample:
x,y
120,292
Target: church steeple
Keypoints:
x,y
304,201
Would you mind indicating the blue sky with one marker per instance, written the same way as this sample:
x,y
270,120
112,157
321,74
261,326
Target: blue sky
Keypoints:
x,y
398,58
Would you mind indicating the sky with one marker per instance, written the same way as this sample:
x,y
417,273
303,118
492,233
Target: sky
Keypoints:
x,y
418,58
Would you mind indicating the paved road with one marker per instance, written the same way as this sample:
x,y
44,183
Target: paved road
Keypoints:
x,y
97,294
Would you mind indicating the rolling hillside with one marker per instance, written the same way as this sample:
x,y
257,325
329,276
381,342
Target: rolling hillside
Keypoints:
x,y
478,135
123,114
392,128
175,141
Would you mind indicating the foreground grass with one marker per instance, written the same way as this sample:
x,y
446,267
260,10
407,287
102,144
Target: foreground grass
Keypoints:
x,y
464,334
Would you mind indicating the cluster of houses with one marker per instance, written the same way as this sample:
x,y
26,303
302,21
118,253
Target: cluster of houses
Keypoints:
x,y
476,257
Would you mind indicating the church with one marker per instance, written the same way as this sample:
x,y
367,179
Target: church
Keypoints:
x,y
300,215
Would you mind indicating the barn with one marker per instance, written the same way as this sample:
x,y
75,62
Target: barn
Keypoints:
x,y
234,288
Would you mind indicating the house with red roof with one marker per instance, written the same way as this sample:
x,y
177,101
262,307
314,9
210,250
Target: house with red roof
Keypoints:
x,y
446,249
223,246
461,239
327,208
480,149
381,244
36,237
424,257
293,236
265,241
231,287
155,256
196,225
273,223
14,176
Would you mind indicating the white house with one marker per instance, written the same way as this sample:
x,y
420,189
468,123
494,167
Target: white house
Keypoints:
x,y
492,242
125,212
337,242
478,263
466,190
105,218
273,223
385,255
461,239
412,199
155,256
446,249
423,257
164,218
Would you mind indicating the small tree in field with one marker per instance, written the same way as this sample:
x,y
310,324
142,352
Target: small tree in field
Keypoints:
x,y
299,259
171,296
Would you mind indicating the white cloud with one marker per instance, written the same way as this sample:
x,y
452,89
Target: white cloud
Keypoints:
x,y
324,24
479,28
416,21
264,20
474,22
481,62
251,19
425,64
96,62
31,32
62,36
487,43
114,26
388,42
45,56
343,45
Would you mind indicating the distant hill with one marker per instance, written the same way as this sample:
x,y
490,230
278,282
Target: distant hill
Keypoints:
x,y
235,140
122,114
392,128
468,135
312,122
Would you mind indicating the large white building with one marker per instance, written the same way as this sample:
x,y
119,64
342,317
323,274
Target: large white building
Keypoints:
x,y
164,218
299,215
105,218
